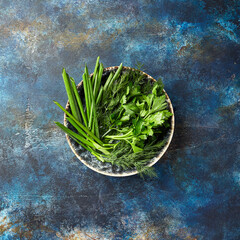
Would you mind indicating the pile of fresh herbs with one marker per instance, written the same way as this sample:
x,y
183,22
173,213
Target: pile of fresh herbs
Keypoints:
x,y
123,120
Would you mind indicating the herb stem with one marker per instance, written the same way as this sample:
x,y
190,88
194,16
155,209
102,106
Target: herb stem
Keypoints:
x,y
120,136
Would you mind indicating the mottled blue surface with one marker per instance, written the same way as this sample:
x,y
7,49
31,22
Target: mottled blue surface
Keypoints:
x,y
46,193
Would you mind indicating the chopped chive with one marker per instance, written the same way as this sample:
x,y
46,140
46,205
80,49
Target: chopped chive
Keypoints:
x,y
95,70
79,124
89,139
80,131
86,70
97,155
75,103
99,79
108,81
70,132
115,76
91,117
86,94
88,84
81,144
93,130
71,98
92,124
99,95
96,125
79,101
83,140
95,87
92,104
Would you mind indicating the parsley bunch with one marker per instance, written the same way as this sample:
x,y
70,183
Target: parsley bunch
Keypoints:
x,y
125,117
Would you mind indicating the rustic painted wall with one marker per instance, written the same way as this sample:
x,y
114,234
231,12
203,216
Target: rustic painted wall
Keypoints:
x,y
46,193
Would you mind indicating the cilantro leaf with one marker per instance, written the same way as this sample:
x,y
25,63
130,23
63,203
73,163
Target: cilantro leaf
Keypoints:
x,y
125,118
149,99
140,105
131,108
123,99
158,118
138,125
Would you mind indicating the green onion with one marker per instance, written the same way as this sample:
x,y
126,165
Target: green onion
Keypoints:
x,y
71,98
97,155
108,81
98,80
91,117
86,70
79,124
91,101
70,132
115,76
96,145
96,124
95,70
99,95
82,140
85,87
79,101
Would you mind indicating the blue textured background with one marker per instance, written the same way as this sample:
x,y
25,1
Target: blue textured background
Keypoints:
x,y
46,193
